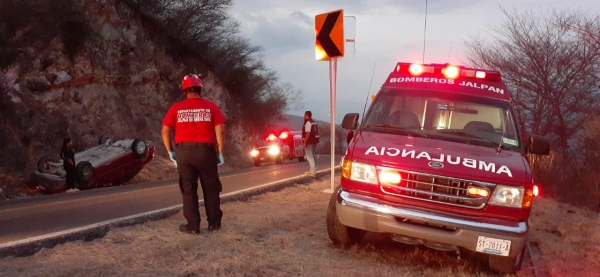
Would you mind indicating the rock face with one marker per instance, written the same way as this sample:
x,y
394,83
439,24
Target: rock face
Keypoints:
x,y
121,82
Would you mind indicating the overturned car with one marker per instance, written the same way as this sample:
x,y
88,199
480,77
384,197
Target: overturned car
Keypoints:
x,y
108,163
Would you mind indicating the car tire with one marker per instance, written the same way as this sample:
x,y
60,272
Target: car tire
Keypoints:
x,y
42,164
257,163
139,148
338,233
503,264
84,171
103,138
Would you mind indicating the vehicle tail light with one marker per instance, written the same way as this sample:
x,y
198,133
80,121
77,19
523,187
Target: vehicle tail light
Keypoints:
x,y
415,69
283,135
389,178
480,192
451,72
254,153
536,190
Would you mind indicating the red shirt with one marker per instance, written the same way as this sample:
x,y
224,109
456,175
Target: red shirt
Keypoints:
x,y
194,120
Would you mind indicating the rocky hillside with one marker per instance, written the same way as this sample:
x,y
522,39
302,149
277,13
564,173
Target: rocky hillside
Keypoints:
x,y
121,81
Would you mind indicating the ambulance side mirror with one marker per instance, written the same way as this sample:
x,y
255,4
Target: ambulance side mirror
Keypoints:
x,y
538,145
350,121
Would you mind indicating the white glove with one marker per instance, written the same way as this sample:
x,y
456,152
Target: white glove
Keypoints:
x,y
172,157
221,160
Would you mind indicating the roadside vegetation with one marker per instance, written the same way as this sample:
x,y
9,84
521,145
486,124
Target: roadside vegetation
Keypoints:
x,y
266,236
203,30
551,62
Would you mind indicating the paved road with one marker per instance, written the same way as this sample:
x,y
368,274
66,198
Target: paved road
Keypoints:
x,y
45,214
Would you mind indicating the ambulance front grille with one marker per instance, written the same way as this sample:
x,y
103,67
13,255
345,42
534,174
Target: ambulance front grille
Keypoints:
x,y
439,189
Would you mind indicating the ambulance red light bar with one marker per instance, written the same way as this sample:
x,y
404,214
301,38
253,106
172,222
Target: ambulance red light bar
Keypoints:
x,y
448,71
271,137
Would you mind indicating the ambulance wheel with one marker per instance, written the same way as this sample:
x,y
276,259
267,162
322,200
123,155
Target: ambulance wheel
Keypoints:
x,y
256,163
503,264
338,233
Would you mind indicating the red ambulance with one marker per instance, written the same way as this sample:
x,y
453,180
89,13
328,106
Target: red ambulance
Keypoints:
x,y
278,148
439,160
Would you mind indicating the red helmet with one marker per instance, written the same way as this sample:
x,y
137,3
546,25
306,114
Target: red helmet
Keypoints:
x,y
191,81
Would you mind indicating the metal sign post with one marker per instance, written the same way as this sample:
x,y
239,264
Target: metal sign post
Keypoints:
x,y
329,45
332,99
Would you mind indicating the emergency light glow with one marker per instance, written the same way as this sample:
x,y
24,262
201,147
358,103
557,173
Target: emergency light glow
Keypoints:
x,y
283,135
536,190
415,69
473,191
480,74
274,150
254,153
271,137
451,72
389,177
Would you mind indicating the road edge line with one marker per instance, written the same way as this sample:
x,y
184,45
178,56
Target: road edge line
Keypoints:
x,y
30,246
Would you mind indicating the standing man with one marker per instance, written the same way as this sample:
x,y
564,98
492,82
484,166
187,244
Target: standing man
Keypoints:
x,y
310,136
67,154
198,125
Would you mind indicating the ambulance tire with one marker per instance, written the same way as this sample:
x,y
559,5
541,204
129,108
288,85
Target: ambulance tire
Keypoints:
x,y
503,264
338,233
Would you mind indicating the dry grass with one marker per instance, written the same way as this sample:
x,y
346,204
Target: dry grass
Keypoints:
x,y
568,237
275,234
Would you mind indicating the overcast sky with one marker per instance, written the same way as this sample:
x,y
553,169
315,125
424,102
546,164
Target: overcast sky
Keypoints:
x,y
387,31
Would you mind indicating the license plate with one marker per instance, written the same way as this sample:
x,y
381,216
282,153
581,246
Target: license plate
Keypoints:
x,y
493,246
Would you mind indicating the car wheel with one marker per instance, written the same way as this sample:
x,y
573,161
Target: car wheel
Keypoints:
x,y
256,163
503,264
104,138
338,233
139,148
44,163
84,171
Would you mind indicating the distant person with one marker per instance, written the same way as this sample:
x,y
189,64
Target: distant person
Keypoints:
x,y
310,137
67,154
349,136
198,125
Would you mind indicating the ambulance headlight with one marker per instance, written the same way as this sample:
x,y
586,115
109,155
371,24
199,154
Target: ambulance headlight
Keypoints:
x,y
507,196
274,150
365,173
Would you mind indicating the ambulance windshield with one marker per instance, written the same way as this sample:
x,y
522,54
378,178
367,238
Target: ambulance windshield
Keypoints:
x,y
441,115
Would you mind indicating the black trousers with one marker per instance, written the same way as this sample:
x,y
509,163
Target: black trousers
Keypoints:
x,y
199,161
70,178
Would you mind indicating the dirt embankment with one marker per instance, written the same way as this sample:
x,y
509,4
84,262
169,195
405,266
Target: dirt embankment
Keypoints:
x,y
283,234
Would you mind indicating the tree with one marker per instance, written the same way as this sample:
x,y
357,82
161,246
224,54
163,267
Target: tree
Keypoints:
x,y
551,63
